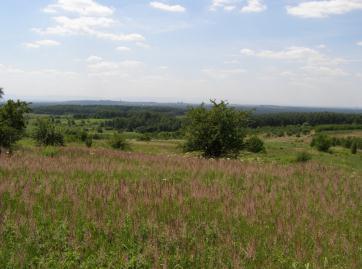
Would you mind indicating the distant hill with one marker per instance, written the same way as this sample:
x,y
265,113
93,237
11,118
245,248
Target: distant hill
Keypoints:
x,y
258,109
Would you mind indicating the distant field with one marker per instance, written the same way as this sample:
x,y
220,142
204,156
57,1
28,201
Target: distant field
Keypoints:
x,y
155,207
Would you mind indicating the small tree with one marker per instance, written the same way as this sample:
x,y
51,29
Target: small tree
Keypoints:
x,y
12,122
322,143
46,134
216,132
117,141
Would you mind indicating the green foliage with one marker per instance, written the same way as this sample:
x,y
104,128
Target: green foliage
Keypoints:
x,y
354,148
117,141
144,137
303,157
216,132
322,142
255,144
89,142
12,122
47,134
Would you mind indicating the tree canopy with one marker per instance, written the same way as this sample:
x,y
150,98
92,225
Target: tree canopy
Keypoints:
x,y
217,131
12,122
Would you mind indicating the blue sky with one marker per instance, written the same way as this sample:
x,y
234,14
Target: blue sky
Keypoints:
x,y
285,52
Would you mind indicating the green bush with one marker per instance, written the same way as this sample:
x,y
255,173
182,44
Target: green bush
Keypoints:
x,y
46,134
255,144
117,141
322,142
216,132
89,142
354,148
303,157
144,137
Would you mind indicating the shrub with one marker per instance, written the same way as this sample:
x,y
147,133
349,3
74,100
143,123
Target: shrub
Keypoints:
x,y
144,137
117,141
46,134
322,143
216,132
88,142
255,144
354,148
303,157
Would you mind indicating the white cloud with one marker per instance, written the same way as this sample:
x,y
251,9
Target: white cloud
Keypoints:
x,y
311,60
227,5
86,26
94,59
42,43
324,8
99,67
123,49
359,43
92,18
292,54
80,7
254,6
167,7
245,6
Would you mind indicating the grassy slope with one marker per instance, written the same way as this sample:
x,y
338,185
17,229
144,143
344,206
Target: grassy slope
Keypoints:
x,y
98,208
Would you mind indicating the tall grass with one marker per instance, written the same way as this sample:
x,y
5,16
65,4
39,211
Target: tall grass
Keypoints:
x,y
98,208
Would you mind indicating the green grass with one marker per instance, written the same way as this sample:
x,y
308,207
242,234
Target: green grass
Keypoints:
x,y
156,207
100,208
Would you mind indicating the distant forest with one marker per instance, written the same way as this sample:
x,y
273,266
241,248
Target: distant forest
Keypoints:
x,y
169,119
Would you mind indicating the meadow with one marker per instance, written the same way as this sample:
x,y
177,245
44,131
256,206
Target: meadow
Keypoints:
x,y
157,207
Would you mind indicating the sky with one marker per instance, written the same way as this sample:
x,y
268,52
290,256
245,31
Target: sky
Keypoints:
x,y
271,52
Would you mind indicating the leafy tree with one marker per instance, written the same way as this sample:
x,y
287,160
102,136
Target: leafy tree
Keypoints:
x,y
1,93
216,132
255,144
117,141
322,142
46,134
12,122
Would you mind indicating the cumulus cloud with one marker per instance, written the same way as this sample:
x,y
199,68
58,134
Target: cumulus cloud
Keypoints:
x,y
167,7
359,43
324,8
42,43
80,7
245,6
253,6
91,19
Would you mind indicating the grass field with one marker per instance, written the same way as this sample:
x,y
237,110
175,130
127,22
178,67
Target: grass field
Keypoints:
x,y
155,207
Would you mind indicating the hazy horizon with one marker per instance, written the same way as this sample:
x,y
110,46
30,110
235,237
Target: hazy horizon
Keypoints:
x,y
248,52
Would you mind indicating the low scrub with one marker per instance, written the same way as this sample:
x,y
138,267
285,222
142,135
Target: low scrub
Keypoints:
x,y
117,141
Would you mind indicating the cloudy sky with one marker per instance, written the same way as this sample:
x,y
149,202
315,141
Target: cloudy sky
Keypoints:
x,y
281,52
